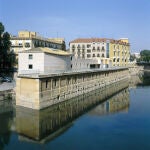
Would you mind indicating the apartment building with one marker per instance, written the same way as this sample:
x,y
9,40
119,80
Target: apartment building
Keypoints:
x,y
119,51
27,40
107,52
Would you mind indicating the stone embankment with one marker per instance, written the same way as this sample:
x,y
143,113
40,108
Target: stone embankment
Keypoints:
x,y
38,92
7,86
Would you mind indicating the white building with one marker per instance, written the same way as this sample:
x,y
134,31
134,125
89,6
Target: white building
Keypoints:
x,y
92,52
43,61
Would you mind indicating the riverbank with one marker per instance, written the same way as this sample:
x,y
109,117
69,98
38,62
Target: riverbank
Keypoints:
x,y
7,86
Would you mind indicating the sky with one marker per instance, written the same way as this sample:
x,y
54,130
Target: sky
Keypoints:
x,y
73,19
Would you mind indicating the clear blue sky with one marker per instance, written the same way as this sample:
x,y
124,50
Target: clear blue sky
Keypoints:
x,y
80,18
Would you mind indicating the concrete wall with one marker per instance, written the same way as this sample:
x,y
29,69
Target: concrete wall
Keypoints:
x,y
43,63
24,61
37,125
56,63
43,91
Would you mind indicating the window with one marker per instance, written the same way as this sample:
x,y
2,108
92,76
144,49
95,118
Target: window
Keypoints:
x,y
93,48
88,55
88,46
46,83
30,66
103,48
88,51
20,44
102,55
27,44
73,46
98,55
93,55
30,56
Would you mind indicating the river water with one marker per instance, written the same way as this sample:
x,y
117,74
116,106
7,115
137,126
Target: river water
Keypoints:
x,y
112,118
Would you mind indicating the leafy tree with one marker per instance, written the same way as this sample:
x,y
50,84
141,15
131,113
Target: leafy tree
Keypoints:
x,y
145,55
7,57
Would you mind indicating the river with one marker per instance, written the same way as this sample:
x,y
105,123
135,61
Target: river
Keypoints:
x,y
112,118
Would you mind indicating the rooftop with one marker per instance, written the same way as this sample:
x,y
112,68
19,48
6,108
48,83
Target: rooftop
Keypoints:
x,y
26,35
96,40
46,50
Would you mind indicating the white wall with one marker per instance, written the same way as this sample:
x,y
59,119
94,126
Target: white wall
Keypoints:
x,y
24,61
43,63
56,63
82,64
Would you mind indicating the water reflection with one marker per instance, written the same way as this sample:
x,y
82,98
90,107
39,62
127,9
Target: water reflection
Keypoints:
x,y
117,103
143,79
6,118
43,125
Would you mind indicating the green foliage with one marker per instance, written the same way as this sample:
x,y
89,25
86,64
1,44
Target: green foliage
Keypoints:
x,y
7,57
145,55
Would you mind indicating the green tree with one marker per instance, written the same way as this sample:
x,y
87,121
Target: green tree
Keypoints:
x,y
145,55
7,57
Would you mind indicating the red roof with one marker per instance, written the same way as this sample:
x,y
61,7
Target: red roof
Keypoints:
x,y
96,40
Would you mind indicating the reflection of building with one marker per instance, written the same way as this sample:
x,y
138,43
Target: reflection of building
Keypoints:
x,y
38,125
27,40
44,60
118,102
107,52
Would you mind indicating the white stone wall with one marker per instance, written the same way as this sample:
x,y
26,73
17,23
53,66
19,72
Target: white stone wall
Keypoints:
x,y
43,63
56,63
24,62
82,64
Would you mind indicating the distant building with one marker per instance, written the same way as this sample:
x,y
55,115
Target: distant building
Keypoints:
x,y
137,55
107,52
43,61
27,40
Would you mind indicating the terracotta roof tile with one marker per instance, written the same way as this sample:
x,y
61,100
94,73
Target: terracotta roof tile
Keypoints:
x,y
96,40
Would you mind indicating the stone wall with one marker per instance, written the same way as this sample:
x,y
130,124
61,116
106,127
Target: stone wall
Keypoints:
x,y
48,123
44,91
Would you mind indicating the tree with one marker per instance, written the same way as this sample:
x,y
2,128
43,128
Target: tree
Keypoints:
x,y
7,57
145,55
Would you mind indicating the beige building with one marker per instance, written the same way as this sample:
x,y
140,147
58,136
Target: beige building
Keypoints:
x,y
108,52
27,40
119,51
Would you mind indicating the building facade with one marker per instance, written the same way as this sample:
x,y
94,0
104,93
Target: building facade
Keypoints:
x,y
119,51
108,52
43,61
27,40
